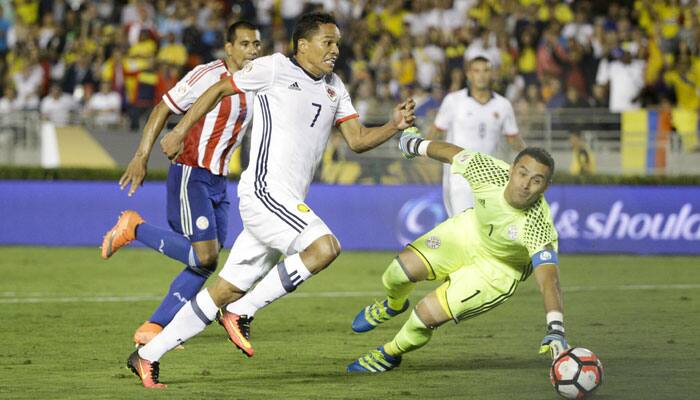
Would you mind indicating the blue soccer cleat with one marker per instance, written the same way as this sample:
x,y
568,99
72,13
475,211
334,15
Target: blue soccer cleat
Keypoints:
x,y
371,316
375,361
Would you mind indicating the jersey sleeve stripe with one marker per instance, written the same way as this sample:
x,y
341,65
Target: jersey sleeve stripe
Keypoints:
x,y
197,76
171,104
233,83
347,118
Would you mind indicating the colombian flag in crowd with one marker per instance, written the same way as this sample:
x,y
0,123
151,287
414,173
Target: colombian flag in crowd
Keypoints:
x,y
646,137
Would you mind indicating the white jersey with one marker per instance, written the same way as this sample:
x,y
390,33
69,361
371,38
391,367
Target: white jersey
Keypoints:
x,y
473,126
209,144
293,117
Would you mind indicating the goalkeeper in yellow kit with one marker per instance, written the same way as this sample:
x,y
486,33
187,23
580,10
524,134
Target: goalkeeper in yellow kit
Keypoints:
x,y
482,254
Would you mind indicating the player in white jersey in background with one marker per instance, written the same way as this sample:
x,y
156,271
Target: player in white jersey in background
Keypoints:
x,y
197,203
473,118
297,102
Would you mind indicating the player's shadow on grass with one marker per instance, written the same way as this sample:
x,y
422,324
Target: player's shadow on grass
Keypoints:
x,y
494,363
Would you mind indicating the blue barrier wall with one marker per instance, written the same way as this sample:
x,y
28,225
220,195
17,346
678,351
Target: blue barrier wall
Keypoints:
x,y
590,219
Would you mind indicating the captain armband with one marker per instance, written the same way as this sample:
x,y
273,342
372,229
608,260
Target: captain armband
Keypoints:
x,y
546,256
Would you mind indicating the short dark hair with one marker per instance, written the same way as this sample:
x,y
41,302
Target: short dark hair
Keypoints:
x,y
308,25
242,24
478,59
540,155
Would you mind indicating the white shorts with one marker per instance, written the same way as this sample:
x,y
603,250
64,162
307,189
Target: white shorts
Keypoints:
x,y
272,227
457,194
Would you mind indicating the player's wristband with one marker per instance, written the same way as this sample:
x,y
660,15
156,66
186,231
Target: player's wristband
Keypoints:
x,y
422,149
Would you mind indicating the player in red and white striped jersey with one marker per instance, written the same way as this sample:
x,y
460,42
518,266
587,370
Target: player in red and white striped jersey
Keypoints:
x,y
197,204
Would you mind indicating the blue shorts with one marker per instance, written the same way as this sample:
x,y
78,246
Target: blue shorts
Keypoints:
x,y
197,203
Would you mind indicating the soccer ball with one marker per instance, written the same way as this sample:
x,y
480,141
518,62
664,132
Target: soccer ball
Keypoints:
x,y
576,373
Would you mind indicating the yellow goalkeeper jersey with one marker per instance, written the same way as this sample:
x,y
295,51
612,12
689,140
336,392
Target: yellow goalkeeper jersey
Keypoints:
x,y
508,234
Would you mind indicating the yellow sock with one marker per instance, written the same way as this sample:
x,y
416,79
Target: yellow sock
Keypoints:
x,y
397,285
412,336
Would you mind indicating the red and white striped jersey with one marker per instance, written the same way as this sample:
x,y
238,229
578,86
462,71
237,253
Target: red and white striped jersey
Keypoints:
x,y
211,141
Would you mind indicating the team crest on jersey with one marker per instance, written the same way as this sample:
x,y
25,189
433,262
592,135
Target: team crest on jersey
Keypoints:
x,y
331,93
202,223
433,242
181,88
482,202
248,67
512,232
303,207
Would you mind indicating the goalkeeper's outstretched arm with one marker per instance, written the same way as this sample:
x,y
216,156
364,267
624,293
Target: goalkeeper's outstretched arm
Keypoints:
x,y
547,276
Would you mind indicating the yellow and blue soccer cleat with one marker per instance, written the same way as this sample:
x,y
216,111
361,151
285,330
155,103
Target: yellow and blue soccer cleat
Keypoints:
x,y
371,316
375,361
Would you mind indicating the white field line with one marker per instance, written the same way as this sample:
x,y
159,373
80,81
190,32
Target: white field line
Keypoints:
x,y
40,298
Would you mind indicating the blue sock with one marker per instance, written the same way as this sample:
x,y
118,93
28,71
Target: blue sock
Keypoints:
x,y
184,287
170,243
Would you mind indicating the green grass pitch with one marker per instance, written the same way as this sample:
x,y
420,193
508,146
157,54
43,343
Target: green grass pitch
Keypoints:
x,y
66,319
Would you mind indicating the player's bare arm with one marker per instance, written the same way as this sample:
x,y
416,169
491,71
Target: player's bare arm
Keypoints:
x,y
137,168
172,142
516,142
361,138
547,277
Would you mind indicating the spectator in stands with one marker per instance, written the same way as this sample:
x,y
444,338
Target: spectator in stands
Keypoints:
x,y
171,51
79,76
625,79
685,84
580,29
484,45
582,160
556,98
599,98
574,99
9,102
58,106
550,54
527,58
28,82
104,107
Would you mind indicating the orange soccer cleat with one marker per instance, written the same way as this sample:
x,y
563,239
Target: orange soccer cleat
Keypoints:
x,y
123,233
147,371
146,332
238,329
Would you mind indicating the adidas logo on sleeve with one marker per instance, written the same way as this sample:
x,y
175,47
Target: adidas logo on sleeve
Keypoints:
x,y
294,86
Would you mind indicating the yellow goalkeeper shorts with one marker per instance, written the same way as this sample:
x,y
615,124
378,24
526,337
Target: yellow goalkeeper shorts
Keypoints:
x,y
474,284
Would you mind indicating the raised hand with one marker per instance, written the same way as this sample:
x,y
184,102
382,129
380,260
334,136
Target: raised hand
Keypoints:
x,y
403,115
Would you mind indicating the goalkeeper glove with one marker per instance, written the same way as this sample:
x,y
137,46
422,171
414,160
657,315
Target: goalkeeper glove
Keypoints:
x,y
554,341
409,141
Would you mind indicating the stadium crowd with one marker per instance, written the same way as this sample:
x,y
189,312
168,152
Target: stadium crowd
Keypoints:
x,y
108,58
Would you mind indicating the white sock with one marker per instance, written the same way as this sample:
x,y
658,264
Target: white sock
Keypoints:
x,y
280,280
192,318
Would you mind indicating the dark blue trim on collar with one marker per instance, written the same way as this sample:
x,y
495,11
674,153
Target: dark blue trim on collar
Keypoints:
x,y
295,62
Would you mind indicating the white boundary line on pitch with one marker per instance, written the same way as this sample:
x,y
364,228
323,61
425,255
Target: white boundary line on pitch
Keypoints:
x,y
39,297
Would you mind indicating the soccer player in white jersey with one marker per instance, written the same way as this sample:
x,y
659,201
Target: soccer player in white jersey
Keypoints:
x,y
197,204
474,118
298,99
